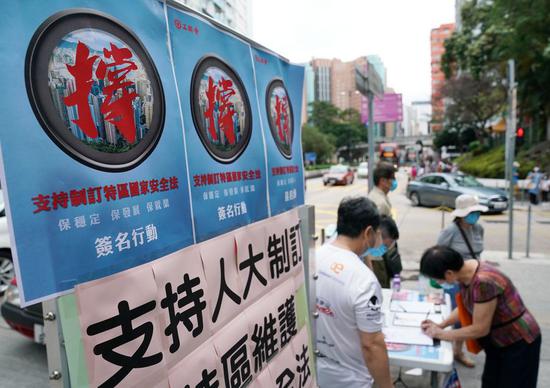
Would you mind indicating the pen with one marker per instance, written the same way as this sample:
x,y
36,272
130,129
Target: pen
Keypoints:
x,y
427,315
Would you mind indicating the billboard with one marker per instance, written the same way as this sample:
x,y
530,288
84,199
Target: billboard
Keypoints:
x,y
388,108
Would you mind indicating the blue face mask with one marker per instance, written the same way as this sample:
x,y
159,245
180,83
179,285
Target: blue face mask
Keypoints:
x,y
377,251
393,185
447,286
472,218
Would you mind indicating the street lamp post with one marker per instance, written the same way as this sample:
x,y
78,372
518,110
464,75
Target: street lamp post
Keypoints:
x,y
369,84
510,151
370,137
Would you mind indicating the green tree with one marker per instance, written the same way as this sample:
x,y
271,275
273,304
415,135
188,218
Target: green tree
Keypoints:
x,y
471,103
349,131
344,128
314,140
496,31
324,115
446,137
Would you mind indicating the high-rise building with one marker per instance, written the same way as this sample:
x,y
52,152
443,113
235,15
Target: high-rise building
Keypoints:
x,y
322,79
438,37
344,91
236,14
308,92
417,118
334,81
379,66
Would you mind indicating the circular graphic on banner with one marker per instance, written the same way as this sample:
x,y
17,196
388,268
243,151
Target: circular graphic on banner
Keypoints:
x,y
95,90
221,109
281,119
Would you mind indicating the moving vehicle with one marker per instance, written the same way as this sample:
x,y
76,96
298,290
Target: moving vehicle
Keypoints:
x,y
363,170
338,175
28,321
7,270
389,153
443,188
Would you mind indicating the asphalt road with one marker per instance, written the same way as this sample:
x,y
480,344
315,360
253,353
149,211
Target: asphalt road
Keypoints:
x,y
420,226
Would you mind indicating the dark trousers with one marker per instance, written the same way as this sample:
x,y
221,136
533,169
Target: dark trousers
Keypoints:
x,y
514,366
534,198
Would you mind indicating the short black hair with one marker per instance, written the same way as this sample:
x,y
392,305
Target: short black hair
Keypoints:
x,y
439,259
389,228
383,170
355,214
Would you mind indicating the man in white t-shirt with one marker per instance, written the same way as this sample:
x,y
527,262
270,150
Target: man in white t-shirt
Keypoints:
x,y
349,301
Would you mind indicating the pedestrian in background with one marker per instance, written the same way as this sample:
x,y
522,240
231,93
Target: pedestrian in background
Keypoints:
x,y
384,181
414,172
500,322
534,180
545,188
352,351
464,235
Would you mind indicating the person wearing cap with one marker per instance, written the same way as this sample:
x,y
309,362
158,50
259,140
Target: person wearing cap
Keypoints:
x,y
464,235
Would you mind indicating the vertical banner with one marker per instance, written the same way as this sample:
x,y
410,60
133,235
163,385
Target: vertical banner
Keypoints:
x,y
215,79
280,86
92,148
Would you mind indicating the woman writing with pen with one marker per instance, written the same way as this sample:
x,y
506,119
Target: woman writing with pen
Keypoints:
x,y
501,324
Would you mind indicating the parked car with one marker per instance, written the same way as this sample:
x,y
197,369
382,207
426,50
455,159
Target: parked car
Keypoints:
x,y
363,170
28,321
443,188
7,270
338,175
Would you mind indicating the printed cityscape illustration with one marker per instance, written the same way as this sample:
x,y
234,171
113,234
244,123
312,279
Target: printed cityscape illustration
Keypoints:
x,y
222,111
280,113
62,84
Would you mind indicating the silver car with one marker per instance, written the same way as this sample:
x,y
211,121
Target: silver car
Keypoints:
x,y
442,190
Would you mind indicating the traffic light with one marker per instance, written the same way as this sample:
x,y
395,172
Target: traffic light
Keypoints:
x,y
520,134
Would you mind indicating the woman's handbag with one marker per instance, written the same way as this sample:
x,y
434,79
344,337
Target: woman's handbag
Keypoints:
x,y
466,320
474,256
392,259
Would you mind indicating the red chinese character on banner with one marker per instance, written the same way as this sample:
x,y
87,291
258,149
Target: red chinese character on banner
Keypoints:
x,y
42,203
82,73
281,109
119,112
220,107
174,185
117,107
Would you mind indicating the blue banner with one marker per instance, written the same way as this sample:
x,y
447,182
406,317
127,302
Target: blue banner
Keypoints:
x,y
215,78
132,130
93,153
279,86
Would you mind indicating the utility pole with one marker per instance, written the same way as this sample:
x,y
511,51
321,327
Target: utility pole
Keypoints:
x,y
370,96
369,83
510,152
